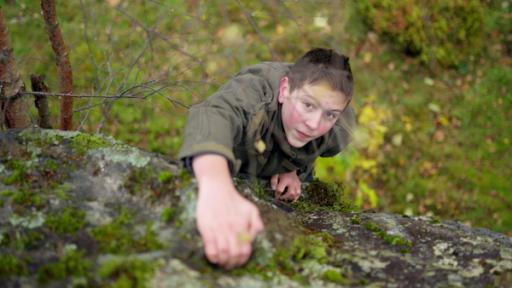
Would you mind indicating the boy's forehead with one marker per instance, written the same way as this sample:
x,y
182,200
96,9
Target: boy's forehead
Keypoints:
x,y
319,90
322,91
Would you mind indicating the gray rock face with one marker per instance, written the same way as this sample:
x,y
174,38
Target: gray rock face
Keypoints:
x,y
83,210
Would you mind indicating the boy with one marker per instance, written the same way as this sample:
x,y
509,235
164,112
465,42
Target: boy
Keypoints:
x,y
272,120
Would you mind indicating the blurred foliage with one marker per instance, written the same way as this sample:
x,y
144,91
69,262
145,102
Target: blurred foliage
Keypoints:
x,y
445,31
360,164
430,140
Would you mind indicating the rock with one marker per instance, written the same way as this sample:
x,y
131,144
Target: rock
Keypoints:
x,y
86,210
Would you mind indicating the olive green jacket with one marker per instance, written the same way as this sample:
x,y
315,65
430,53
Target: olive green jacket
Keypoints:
x,y
244,114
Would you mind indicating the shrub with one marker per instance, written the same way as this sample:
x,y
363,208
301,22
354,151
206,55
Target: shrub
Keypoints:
x,y
443,31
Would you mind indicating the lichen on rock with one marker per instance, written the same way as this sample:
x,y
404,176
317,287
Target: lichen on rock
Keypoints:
x,y
86,210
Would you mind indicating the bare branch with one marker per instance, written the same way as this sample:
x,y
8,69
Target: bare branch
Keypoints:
x,y
166,39
63,65
41,101
262,36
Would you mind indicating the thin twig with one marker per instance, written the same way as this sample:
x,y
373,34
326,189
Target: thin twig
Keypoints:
x,y
80,95
262,36
88,42
155,33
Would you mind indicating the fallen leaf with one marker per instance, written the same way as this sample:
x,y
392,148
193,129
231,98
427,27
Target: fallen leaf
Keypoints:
x,y
443,121
439,136
113,3
367,57
321,22
434,107
429,81
397,139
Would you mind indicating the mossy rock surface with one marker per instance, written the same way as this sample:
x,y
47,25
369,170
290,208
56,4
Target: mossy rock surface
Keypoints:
x,y
85,210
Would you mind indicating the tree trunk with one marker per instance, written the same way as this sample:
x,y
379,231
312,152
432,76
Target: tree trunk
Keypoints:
x,y
63,65
41,101
13,110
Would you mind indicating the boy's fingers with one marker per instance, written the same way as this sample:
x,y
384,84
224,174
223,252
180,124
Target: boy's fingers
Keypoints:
x,y
296,194
273,181
291,194
245,253
233,250
222,251
210,248
281,189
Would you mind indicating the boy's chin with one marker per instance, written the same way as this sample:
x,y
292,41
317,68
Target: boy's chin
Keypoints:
x,y
296,143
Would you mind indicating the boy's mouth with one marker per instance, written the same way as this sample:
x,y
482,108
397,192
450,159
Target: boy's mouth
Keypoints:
x,y
303,136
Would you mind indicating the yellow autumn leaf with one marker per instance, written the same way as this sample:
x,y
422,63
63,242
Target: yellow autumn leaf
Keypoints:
x,y
443,121
408,127
367,115
367,164
279,29
367,57
232,35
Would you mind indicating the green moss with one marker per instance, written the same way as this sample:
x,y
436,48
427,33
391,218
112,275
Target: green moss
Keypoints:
x,y
22,240
168,214
18,172
6,193
12,266
51,165
370,226
395,240
356,220
156,183
165,177
61,191
435,220
321,196
72,263
82,143
4,239
334,276
257,188
289,260
125,272
318,196
309,247
69,220
118,237
23,197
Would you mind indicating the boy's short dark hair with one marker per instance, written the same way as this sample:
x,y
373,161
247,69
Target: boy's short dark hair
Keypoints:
x,y
322,64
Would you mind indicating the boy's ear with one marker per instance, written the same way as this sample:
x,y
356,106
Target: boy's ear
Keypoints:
x,y
284,88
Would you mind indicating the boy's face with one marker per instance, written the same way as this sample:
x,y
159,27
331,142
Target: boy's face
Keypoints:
x,y
310,111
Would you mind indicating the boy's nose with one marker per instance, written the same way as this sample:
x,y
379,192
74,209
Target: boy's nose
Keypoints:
x,y
314,120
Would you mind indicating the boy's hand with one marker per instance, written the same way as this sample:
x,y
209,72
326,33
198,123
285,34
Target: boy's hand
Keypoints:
x,y
227,222
286,186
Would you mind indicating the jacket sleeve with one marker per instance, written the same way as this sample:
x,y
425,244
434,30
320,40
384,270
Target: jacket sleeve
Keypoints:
x,y
342,133
217,124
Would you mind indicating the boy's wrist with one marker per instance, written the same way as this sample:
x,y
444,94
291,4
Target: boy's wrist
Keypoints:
x,y
212,174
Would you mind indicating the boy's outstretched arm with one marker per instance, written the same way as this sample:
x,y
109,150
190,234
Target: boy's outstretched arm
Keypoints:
x,y
227,222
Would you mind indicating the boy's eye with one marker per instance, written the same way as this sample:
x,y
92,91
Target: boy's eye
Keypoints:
x,y
331,115
308,105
